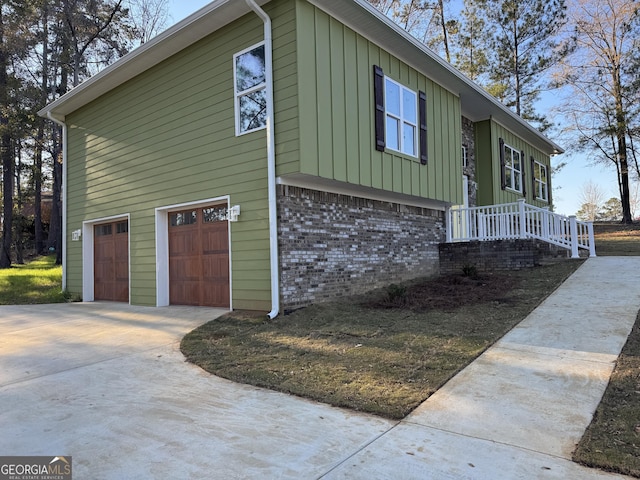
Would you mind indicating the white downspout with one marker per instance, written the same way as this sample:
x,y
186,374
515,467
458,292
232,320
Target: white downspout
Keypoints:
x,y
64,197
271,161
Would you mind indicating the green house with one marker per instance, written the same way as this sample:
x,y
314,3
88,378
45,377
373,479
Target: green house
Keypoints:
x,y
273,154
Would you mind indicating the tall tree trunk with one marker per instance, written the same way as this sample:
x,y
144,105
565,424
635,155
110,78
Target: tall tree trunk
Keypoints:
x,y
516,63
37,163
6,154
621,137
445,36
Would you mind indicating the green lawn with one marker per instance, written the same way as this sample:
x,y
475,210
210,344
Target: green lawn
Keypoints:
x,y
39,281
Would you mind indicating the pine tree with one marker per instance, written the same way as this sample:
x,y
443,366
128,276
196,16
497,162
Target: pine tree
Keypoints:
x,y
471,56
524,46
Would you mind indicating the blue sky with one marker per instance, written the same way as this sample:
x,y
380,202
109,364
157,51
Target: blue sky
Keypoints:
x,y
567,183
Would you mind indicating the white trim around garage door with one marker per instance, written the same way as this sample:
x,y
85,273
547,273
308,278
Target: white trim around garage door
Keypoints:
x,y
162,246
88,274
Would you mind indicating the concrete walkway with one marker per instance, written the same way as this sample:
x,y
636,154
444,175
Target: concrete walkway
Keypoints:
x,y
106,384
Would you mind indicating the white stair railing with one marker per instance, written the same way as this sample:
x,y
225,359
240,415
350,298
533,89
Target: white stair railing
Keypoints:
x,y
519,220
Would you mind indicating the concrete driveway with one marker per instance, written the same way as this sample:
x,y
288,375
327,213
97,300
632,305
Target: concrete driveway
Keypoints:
x,y
107,384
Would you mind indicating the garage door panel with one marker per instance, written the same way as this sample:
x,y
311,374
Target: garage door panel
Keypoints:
x,y
215,238
215,295
184,242
186,269
214,265
185,293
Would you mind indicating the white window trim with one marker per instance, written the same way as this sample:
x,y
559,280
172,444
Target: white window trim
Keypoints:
x,y
465,158
238,95
401,119
539,182
88,272
508,150
162,246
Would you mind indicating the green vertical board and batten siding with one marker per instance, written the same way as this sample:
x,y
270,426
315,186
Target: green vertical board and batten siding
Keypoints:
x,y
335,66
167,137
488,173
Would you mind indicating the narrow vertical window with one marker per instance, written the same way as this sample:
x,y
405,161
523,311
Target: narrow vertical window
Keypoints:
x,y
541,182
513,168
250,89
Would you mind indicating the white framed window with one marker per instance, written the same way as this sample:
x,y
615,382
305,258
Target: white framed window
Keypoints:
x,y
513,168
401,118
541,181
465,159
250,89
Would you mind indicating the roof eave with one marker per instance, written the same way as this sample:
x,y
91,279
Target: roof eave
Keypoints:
x,y
359,15
195,27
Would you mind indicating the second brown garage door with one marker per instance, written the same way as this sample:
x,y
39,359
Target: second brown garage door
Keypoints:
x,y
199,257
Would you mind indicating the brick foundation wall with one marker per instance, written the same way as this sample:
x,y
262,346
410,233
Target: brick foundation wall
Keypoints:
x,y
496,255
332,245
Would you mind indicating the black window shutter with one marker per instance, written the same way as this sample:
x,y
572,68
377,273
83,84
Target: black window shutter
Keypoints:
x,y
422,112
378,92
524,177
534,188
549,184
503,173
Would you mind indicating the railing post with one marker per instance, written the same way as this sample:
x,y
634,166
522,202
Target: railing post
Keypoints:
x,y
523,218
448,224
573,232
592,240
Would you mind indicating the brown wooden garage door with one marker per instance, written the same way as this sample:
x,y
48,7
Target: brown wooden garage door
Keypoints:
x,y
199,257
111,261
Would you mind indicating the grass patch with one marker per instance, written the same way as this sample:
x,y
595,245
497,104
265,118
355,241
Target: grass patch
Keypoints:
x,y
612,441
617,239
382,353
39,281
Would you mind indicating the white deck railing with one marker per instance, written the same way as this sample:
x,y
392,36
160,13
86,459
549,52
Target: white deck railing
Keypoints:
x,y
519,220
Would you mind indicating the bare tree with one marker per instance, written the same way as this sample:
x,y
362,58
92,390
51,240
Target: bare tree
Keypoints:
x,y
607,33
591,198
425,20
149,17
